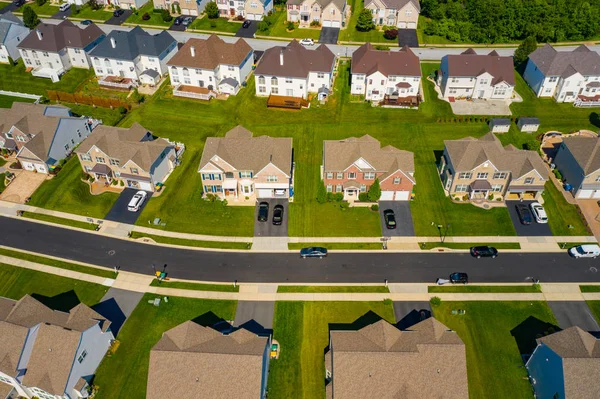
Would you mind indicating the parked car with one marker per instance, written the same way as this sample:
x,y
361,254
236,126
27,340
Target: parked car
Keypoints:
x,y
278,215
313,252
19,3
524,214
137,201
390,219
64,7
177,21
539,213
585,251
118,13
86,22
187,20
484,252
307,42
459,278
263,211
246,24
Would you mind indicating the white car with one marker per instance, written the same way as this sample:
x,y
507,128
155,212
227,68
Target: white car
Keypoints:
x,y
307,42
539,213
585,251
64,7
137,201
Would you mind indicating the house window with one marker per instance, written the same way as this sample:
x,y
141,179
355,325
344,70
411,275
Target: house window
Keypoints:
x,y
186,72
45,54
82,356
173,71
482,175
273,81
529,180
397,180
150,59
110,71
320,75
271,179
351,175
500,175
88,168
230,68
329,188
229,175
497,188
85,157
119,62
288,80
553,79
100,160
134,171
187,81
67,147
465,175
339,188
274,90
114,162
363,188
175,79
339,176
598,178
262,89
461,188
245,175
454,80
408,13
261,80
329,175
369,175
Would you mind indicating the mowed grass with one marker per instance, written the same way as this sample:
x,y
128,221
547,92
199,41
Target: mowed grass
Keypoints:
x,y
3,4
47,9
221,25
125,374
338,245
493,334
184,285
155,17
57,220
589,288
501,289
595,307
302,329
464,245
86,12
350,34
332,289
193,243
7,101
14,78
564,218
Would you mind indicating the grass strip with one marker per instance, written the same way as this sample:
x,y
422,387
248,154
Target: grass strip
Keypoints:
x,y
467,245
332,289
183,285
469,289
589,288
59,220
568,245
193,243
337,245
58,263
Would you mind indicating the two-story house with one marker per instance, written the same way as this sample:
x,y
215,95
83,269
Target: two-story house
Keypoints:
x,y
130,155
126,4
328,13
469,75
51,50
41,135
578,160
128,58
565,365
565,76
294,71
12,31
386,74
49,354
238,166
403,14
350,166
478,168
253,10
212,64
191,360
188,7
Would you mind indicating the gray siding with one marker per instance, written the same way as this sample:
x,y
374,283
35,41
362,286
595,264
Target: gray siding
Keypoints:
x,y
70,132
546,368
569,168
162,167
265,369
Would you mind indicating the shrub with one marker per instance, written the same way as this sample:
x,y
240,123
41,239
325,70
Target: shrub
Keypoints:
x,y
465,197
315,23
338,197
490,197
391,34
435,301
166,16
212,10
290,25
121,183
364,22
363,197
374,191
375,207
240,18
122,110
387,302
40,2
74,9
321,193
177,8
173,8
213,24
329,197
146,16
382,47
263,26
557,174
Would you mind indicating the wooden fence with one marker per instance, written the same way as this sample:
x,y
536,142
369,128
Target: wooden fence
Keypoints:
x,y
87,99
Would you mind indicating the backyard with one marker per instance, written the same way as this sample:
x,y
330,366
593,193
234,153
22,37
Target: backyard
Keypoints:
x,y
6,101
14,78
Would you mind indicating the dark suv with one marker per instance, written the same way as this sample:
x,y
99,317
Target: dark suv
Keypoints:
x,y
524,214
263,211
278,215
459,278
484,252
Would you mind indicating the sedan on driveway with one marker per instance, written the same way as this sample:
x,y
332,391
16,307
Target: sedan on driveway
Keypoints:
x,y
118,13
459,278
313,252
524,214
137,201
246,24
484,252
390,219
186,21
263,211
539,213
278,215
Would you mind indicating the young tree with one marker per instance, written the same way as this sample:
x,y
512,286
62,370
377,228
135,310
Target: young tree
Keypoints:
x,y
178,9
212,10
374,191
30,18
74,9
527,47
365,21
321,193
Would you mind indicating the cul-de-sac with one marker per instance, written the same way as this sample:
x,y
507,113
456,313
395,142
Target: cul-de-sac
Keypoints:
x,y
304,199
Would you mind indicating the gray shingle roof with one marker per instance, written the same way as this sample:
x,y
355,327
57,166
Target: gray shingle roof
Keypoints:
x,y
6,21
129,45
297,61
586,151
57,37
398,63
229,81
397,4
152,73
565,63
499,122
340,4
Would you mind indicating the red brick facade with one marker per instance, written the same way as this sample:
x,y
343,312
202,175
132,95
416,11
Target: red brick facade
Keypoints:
x,y
405,183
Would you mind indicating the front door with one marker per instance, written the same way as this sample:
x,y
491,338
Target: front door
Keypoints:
x,y
481,93
289,92
201,83
122,74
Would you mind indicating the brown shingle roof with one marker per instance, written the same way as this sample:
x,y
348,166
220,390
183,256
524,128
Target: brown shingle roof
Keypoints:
x,y
210,53
398,63
470,64
57,37
586,151
397,4
244,152
13,340
468,153
427,361
565,63
297,61
192,358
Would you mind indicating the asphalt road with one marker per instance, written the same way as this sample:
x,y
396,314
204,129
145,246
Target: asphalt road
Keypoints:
x,y
289,267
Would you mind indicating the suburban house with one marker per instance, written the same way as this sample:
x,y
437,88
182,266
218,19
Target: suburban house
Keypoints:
x,y
351,165
470,75
253,10
193,361
328,13
567,76
41,135
392,77
480,168
403,14
188,7
50,354
295,71
127,59
379,360
12,31
239,165
203,66
578,160
51,50
566,365
131,155
128,4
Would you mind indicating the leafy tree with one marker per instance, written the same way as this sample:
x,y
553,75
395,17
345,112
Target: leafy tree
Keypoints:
x,y
522,52
365,21
390,34
321,193
166,15
374,191
40,2
94,5
74,9
30,18
263,26
212,10
173,8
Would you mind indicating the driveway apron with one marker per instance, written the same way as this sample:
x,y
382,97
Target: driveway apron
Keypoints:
x,y
117,305
404,221
119,212
409,313
268,229
534,229
329,35
574,313
256,316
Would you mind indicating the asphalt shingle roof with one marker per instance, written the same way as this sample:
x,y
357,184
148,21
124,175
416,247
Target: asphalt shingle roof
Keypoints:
x,y
57,37
210,53
586,151
297,61
470,64
129,45
6,21
566,63
366,60
397,4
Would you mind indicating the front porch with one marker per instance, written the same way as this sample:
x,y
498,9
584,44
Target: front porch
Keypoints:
x,y
117,82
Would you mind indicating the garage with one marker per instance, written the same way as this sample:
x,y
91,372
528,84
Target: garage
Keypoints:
x,y
254,17
327,24
402,25
336,24
402,195
194,13
583,194
27,165
40,168
140,185
185,11
412,25
387,196
265,193
395,196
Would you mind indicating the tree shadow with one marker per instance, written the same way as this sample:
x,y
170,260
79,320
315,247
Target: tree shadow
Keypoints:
x,y
61,302
595,119
529,330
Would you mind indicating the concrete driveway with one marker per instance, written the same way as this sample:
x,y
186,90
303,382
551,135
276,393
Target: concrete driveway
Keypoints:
x,y
23,186
409,313
404,221
574,313
119,20
117,305
481,107
268,229
119,212
329,35
256,316
534,229
408,37
591,211
181,27
248,32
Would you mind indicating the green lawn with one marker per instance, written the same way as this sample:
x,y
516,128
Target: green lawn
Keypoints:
x,y
109,117
302,329
2,183
595,307
564,218
6,101
125,374
220,25
155,18
193,243
67,193
14,78
350,34
16,282
86,12
463,245
494,365
3,4
589,288
195,286
332,288
279,28
45,10
486,289
57,220
337,245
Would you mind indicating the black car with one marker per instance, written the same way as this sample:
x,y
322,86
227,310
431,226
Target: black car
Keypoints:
x,y
246,24
263,211
19,3
86,22
524,213
459,278
390,219
278,215
118,13
177,21
484,252
313,252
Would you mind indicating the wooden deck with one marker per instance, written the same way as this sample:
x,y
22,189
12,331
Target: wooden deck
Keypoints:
x,y
394,101
287,102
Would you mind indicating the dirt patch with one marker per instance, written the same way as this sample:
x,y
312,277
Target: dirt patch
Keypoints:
x,y
23,186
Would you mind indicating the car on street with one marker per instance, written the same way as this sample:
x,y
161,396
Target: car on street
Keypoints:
x,y
313,252
186,21
307,42
390,219
118,13
64,7
86,22
246,24
484,252
459,278
539,213
263,211
278,215
524,214
585,251
18,3
137,201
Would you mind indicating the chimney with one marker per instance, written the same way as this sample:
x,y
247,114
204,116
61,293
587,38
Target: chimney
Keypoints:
x,y
113,42
39,34
281,57
193,51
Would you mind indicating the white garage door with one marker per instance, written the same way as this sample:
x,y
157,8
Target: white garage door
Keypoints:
x,y
185,11
402,25
194,12
146,186
585,194
336,24
326,24
412,25
596,194
27,165
40,168
402,195
387,196
265,193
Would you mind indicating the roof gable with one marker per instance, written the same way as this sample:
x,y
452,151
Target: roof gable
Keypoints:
x,y
367,60
566,63
470,64
210,53
294,60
